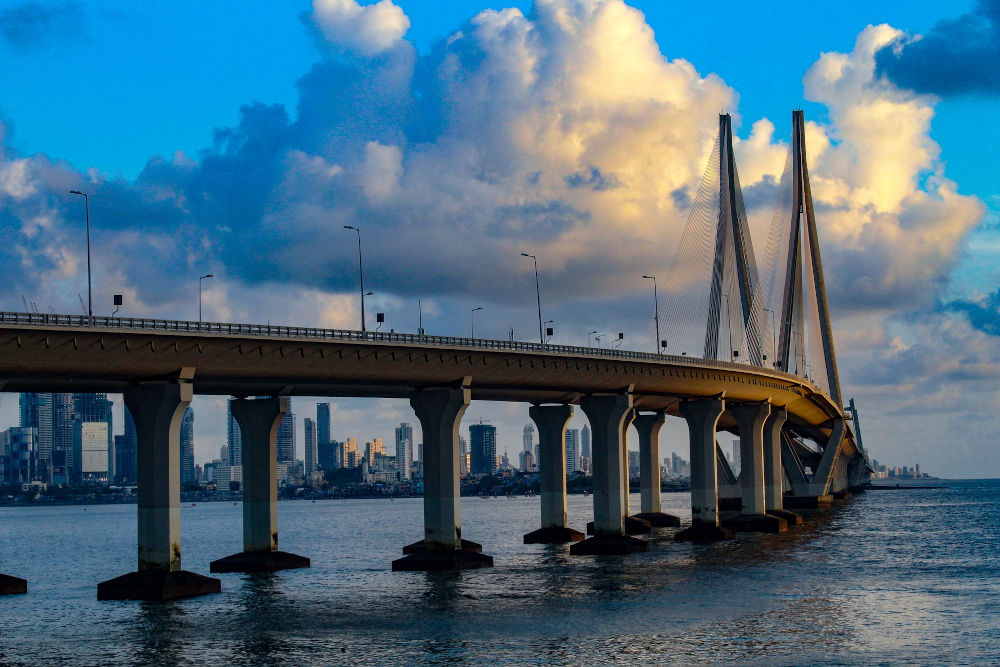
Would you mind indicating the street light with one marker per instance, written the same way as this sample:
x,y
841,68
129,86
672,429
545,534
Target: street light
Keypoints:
x,y
207,275
656,314
90,290
538,297
361,270
589,334
472,317
549,331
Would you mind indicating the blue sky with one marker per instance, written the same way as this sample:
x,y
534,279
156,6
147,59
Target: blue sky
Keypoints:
x,y
426,122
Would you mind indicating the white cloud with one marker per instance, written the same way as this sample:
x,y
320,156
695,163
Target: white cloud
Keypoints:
x,y
368,29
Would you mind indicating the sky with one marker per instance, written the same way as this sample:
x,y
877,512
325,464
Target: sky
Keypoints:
x,y
239,138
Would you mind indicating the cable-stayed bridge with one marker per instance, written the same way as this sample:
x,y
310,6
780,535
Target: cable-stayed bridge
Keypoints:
x,y
761,365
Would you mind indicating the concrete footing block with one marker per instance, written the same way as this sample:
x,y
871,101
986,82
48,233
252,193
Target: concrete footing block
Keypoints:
x,y
704,533
12,585
633,526
731,504
553,535
609,545
807,502
659,519
436,560
259,561
792,518
841,497
756,523
157,585
420,547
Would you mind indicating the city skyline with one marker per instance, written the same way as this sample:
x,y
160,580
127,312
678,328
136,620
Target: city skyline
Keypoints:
x,y
600,202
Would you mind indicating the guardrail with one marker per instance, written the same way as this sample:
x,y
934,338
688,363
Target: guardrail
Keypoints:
x,y
274,331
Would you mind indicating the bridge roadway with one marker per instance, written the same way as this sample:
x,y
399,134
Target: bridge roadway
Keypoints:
x,y
159,364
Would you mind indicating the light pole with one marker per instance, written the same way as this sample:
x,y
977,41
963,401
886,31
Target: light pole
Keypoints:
x,y
90,289
207,275
538,297
589,334
361,271
656,314
472,318
547,329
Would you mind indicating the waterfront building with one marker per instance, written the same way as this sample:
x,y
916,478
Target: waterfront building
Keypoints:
x,y
404,450
325,451
19,453
286,435
97,408
311,445
572,445
349,450
585,442
463,456
90,452
633,463
482,448
234,441
187,447
528,438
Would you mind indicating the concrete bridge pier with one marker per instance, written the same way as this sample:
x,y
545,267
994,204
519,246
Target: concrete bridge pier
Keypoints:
x,y
774,476
158,410
648,426
551,422
750,418
259,419
440,413
702,416
608,415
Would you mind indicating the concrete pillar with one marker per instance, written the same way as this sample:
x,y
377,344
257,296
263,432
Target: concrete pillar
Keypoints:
x,y
259,419
702,416
608,415
440,413
750,419
648,427
551,420
158,410
774,474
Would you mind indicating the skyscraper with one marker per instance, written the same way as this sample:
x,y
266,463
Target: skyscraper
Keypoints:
x,y
528,437
325,454
94,408
187,447
585,441
482,448
404,450
572,442
286,436
311,445
233,438
37,413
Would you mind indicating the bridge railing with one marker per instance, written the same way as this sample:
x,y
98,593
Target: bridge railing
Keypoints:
x,y
278,331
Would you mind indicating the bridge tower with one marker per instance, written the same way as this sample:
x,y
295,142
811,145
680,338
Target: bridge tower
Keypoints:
x,y
734,269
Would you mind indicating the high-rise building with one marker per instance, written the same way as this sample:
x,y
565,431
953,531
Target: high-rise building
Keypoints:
x,y
528,438
286,436
187,447
126,453
349,453
325,454
37,413
572,442
736,462
18,449
96,408
463,456
404,450
234,440
482,448
585,442
310,435
90,452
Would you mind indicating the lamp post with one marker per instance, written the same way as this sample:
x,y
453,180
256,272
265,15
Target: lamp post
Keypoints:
x,y
656,314
547,330
538,297
361,271
90,290
472,318
207,275
589,334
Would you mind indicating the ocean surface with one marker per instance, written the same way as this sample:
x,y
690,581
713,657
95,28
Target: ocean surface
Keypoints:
x,y
894,577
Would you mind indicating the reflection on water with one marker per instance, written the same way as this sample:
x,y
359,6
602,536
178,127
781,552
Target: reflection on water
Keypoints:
x,y
893,577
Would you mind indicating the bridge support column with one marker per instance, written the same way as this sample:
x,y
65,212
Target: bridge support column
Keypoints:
x,y
158,410
608,415
259,419
702,417
774,476
648,426
440,412
551,422
750,418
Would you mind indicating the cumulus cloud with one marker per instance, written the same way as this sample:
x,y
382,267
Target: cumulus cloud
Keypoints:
x,y
368,29
956,56
32,25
